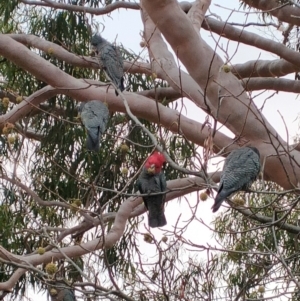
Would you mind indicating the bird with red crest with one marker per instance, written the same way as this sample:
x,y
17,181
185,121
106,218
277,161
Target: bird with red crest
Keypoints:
x,y
152,181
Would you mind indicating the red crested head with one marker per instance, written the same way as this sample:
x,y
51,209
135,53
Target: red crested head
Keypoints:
x,y
155,162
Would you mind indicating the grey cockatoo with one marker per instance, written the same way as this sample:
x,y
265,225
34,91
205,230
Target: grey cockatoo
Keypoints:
x,y
152,180
94,116
59,291
110,59
241,168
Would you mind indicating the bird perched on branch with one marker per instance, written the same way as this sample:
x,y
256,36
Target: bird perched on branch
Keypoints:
x,y
110,59
59,291
152,180
94,116
241,168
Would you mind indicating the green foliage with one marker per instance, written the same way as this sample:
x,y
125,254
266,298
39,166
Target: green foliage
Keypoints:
x,y
57,167
6,9
254,251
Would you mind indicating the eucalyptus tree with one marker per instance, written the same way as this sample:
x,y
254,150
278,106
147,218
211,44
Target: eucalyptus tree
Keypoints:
x,y
73,214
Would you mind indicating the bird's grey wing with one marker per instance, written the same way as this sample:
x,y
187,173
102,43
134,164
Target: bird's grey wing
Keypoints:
x,y
94,116
230,179
111,63
252,163
155,203
104,112
255,158
241,167
141,188
120,64
163,183
95,113
90,115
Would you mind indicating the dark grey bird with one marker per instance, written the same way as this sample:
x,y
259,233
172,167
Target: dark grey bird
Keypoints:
x,y
94,116
110,59
152,180
241,168
59,291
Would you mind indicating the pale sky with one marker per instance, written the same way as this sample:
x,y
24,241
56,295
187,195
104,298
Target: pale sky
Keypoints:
x,y
125,27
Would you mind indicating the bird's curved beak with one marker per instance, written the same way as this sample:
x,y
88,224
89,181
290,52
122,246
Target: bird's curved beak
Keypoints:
x,y
151,169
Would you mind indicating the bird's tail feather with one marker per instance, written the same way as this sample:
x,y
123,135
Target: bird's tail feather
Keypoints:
x,y
93,142
221,196
156,216
121,86
157,220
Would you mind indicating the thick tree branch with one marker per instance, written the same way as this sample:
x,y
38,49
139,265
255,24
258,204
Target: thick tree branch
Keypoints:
x,y
223,90
164,95
176,188
285,13
73,59
12,281
164,65
214,89
197,13
276,84
242,36
250,69
172,23
170,119
126,210
185,5
244,118
192,57
84,9
264,68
